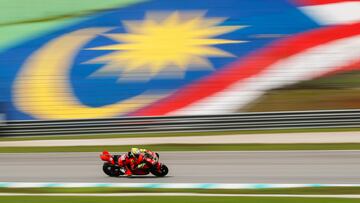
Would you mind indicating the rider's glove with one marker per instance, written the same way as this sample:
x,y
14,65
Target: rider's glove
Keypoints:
x,y
141,165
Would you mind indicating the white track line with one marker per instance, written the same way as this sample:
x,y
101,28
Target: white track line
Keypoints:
x,y
168,185
280,138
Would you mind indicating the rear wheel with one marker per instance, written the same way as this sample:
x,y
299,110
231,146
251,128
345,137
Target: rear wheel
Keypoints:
x,y
111,170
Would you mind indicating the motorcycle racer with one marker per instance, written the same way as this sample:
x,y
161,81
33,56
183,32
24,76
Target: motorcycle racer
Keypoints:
x,y
137,159
133,163
143,157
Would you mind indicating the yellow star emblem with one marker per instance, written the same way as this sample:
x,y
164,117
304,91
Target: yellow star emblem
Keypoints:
x,y
164,44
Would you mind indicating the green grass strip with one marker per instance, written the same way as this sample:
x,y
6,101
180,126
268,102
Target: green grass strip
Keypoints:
x,y
172,199
186,147
169,134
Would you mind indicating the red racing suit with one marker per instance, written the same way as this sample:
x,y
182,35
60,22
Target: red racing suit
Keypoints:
x,y
146,157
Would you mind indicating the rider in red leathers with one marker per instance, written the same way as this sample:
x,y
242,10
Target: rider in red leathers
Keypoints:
x,y
137,159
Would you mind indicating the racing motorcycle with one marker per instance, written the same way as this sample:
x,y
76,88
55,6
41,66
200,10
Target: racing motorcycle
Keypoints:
x,y
112,168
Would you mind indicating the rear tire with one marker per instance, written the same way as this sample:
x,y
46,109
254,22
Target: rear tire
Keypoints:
x,y
111,170
107,168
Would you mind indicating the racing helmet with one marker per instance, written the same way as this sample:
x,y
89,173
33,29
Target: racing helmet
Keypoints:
x,y
135,152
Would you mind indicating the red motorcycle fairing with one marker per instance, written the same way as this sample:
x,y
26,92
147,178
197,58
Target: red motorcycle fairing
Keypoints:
x,y
106,156
140,172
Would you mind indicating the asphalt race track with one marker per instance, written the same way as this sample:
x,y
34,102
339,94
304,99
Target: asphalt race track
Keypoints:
x,y
192,167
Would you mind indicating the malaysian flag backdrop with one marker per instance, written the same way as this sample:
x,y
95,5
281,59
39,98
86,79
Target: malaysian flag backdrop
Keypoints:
x,y
180,57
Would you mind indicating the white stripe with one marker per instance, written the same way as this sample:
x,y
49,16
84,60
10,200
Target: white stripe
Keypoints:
x,y
275,138
167,185
335,13
172,194
303,66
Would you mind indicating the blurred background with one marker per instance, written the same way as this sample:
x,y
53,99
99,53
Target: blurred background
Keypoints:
x,y
269,89
101,59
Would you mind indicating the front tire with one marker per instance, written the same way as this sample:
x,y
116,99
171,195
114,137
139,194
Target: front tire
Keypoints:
x,y
163,171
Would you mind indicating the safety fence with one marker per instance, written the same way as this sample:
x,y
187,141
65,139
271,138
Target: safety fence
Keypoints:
x,y
241,121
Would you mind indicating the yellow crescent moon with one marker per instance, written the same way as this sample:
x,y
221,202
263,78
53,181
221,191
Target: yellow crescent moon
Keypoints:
x,y
42,88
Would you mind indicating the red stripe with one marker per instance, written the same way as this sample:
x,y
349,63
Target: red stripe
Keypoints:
x,y
252,65
320,2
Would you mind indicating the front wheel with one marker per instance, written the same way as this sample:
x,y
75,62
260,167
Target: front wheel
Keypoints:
x,y
163,171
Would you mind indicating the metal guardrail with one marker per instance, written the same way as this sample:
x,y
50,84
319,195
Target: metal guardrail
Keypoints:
x,y
241,121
